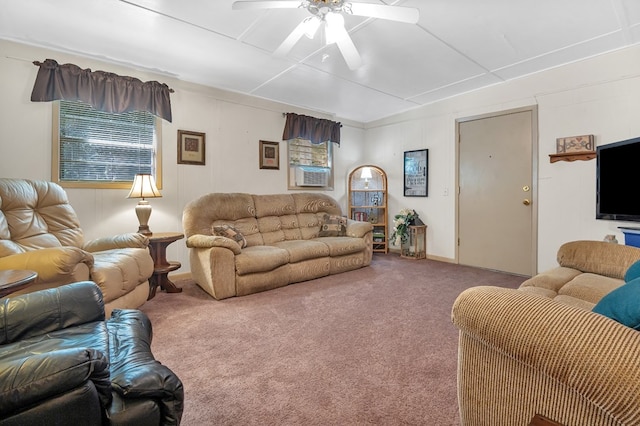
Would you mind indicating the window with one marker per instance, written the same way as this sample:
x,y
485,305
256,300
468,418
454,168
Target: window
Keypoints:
x,y
95,149
310,165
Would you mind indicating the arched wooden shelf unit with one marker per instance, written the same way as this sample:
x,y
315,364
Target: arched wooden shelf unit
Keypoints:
x,y
368,202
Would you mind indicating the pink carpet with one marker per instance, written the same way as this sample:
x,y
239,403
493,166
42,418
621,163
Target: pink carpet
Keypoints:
x,y
369,347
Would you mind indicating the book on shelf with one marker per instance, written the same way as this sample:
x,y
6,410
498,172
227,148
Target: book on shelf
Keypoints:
x,y
360,216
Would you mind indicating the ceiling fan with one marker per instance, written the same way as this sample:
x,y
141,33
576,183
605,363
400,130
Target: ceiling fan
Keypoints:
x,y
330,14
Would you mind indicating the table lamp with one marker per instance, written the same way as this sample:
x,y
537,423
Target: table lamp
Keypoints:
x,y
366,175
144,186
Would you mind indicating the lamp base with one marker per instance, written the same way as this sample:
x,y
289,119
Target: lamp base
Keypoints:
x,y
144,230
143,211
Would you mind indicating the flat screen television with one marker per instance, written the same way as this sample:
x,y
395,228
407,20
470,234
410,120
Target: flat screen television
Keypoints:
x,y
618,181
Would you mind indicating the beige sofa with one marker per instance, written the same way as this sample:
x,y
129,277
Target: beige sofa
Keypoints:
x,y
540,349
289,238
39,231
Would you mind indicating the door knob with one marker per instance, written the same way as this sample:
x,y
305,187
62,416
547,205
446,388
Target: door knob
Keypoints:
x,y
526,202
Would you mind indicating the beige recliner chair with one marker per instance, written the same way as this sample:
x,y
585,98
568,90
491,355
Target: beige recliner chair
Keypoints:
x,y
39,231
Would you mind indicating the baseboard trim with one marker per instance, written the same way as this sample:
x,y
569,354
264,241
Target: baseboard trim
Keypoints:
x,y
429,256
180,276
441,259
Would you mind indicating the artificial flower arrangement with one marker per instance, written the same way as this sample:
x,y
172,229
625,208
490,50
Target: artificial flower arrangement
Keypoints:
x,y
401,224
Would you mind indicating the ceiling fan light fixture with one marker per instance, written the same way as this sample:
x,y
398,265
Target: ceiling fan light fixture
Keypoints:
x,y
334,26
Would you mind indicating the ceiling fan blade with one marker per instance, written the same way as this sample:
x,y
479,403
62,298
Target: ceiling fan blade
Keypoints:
x,y
257,4
347,48
291,40
409,15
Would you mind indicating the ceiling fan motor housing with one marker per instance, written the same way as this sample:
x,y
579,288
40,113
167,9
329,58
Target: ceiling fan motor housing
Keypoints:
x,y
321,7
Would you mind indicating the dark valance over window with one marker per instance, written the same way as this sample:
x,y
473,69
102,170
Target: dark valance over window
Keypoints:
x,y
104,91
316,130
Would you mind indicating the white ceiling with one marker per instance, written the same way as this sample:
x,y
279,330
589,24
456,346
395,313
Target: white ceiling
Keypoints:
x,y
457,46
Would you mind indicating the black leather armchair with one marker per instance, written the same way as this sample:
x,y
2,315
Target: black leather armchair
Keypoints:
x,y
62,363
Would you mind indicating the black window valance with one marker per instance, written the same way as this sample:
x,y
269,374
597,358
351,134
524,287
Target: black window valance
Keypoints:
x,y
102,90
316,130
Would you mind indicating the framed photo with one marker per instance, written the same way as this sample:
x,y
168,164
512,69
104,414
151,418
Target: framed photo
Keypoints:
x,y
416,173
269,155
191,148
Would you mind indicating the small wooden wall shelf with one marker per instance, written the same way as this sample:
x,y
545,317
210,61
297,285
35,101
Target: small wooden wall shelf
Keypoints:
x,y
572,156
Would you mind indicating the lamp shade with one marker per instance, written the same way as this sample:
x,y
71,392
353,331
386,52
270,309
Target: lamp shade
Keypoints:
x,y
144,186
366,173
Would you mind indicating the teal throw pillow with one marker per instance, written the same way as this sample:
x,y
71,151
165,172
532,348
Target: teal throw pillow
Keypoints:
x,y
633,272
622,304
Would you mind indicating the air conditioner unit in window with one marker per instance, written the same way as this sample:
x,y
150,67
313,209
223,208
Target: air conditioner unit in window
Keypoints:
x,y
312,176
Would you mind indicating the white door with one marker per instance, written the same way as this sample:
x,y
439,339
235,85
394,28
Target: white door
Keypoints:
x,y
497,187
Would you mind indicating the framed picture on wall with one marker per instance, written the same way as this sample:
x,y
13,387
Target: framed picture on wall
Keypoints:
x,y
416,173
191,148
269,155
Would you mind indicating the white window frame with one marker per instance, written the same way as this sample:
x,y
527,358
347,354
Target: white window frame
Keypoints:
x,y
56,155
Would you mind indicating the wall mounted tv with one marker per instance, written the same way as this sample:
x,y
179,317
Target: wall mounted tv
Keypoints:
x,y
617,181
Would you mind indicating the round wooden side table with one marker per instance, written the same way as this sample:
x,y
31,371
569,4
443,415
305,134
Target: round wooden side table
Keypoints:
x,y
158,243
12,280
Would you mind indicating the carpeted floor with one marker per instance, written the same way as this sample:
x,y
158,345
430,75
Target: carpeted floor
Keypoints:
x,y
369,347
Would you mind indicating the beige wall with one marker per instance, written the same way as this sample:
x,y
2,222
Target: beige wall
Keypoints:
x,y
233,124
599,96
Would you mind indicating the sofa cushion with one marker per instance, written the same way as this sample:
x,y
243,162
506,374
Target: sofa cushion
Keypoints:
x,y
118,272
36,214
585,305
290,227
308,202
300,250
552,279
598,257
274,205
309,225
540,291
590,287
28,378
333,226
271,229
340,246
260,259
622,304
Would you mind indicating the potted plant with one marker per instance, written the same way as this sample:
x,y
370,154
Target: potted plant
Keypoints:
x,y
401,224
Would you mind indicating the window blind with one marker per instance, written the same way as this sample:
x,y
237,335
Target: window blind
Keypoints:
x,y
98,146
303,152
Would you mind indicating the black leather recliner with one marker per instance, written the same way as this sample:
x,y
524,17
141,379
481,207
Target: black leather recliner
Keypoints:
x,y
62,363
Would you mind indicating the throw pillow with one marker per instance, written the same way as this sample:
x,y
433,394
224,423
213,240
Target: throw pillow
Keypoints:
x,y
622,304
633,272
333,226
230,232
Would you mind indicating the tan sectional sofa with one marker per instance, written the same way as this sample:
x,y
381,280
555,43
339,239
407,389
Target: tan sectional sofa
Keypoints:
x,y
289,238
40,231
541,350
